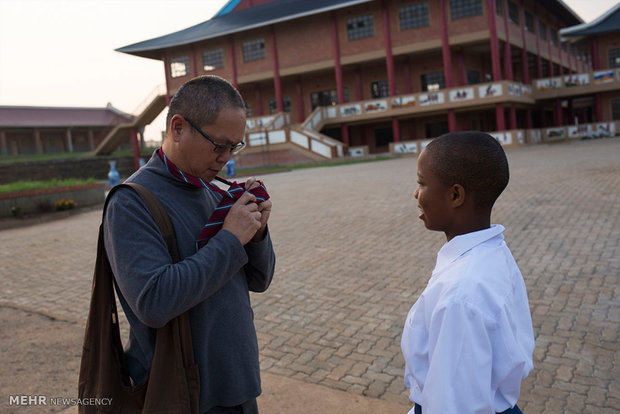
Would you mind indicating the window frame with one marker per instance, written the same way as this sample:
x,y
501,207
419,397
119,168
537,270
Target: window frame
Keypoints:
x,y
462,9
414,19
218,59
253,49
175,69
356,33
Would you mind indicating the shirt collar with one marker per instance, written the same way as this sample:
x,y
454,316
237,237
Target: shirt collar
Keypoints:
x,y
463,243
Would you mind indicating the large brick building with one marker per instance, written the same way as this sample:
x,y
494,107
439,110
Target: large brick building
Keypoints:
x,y
325,76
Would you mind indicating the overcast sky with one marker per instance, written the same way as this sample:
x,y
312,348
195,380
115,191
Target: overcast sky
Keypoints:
x,y
61,52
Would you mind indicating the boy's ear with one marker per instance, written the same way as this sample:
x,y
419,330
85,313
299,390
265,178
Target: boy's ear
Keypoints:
x,y
458,195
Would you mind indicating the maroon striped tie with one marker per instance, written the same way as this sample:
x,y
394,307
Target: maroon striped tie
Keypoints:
x,y
229,198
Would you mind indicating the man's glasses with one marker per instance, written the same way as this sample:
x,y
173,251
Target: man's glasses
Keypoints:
x,y
217,147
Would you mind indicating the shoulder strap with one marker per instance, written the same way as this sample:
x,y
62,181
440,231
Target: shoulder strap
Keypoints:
x,y
158,211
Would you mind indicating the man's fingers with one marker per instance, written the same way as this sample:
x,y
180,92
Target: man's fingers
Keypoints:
x,y
251,183
246,198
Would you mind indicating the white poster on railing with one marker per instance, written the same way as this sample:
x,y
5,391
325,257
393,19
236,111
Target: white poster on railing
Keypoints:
x,y
375,106
604,76
535,135
548,83
405,147
577,131
258,138
350,110
555,133
331,112
461,94
423,144
490,90
514,89
504,138
521,137
431,98
577,79
277,137
526,91
403,102
606,129
299,139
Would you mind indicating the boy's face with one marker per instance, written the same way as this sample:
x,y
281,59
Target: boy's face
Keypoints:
x,y
434,198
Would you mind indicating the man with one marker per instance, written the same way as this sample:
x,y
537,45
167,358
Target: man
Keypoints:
x,y
204,126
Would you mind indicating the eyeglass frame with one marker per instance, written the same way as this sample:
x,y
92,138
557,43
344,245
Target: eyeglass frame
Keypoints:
x,y
217,147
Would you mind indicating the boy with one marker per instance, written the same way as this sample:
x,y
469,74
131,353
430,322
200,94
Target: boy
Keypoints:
x,y
468,339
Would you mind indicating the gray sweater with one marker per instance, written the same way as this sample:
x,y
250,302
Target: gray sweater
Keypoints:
x,y
213,283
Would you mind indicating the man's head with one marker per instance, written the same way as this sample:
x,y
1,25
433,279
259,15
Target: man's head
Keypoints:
x,y
215,107
460,175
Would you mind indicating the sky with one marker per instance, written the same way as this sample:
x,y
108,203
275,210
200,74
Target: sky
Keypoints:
x,y
61,52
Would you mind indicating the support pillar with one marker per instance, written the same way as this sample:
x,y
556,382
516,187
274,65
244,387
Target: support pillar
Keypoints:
x,y
166,60
258,95
395,129
497,71
389,59
231,46
3,146
91,139
337,66
37,141
136,148
276,71
524,62
407,76
539,72
557,113
462,79
445,45
549,45
69,140
301,111
452,120
500,117
598,107
194,61
345,134
512,111
528,119
507,51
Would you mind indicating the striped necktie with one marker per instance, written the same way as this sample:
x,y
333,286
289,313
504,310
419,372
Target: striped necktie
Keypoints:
x,y
229,197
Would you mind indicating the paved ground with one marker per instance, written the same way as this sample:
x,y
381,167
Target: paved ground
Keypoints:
x,y
352,258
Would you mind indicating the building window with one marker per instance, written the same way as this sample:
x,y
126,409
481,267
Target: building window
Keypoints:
x,y
529,22
433,81
412,16
499,7
379,89
614,58
179,66
212,59
554,37
615,109
360,27
542,30
513,12
327,98
465,8
286,105
473,77
253,50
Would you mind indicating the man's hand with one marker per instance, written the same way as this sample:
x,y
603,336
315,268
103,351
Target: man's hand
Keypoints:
x,y
244,219
264,209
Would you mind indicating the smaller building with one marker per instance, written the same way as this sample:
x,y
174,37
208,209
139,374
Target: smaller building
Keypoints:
x,y
46,130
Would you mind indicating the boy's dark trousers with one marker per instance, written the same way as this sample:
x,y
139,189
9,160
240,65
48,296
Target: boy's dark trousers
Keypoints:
x,y
514,410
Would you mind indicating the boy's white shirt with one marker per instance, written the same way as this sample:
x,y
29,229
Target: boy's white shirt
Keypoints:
x,y
468,339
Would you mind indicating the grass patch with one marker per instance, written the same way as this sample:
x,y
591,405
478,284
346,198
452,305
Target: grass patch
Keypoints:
x,y
8,159
37,185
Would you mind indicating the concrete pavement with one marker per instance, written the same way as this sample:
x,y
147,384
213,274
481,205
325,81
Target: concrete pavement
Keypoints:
x,y
352,258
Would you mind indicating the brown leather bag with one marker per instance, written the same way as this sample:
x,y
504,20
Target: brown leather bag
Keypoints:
x,y
173,383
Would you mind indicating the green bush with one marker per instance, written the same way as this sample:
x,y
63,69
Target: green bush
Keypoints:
x,y
37,185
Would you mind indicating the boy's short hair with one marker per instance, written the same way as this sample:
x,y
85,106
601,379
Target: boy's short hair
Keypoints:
x,y
472,159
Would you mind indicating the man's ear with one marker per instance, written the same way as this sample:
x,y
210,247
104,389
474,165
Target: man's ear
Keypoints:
x,y
458,195
177,124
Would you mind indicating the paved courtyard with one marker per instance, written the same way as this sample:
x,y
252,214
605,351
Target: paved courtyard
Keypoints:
x,y
352,257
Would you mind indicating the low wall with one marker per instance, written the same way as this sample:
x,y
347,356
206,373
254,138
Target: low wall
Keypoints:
x,y
43,200
95,167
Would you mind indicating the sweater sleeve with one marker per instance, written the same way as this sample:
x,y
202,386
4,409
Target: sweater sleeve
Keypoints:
x,y
261,263
156,289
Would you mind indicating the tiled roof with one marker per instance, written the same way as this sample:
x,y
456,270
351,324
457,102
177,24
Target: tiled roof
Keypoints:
x,y
607,22
42,117
245,19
